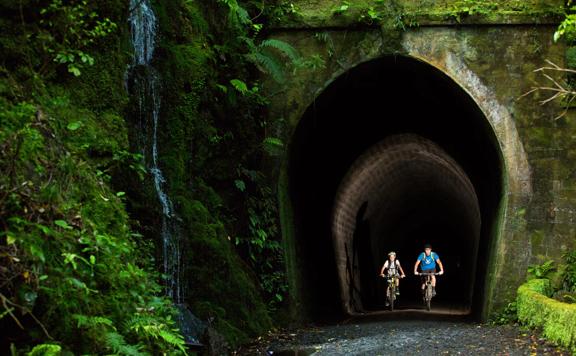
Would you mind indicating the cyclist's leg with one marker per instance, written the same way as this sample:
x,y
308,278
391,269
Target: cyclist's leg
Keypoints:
x,y
434,283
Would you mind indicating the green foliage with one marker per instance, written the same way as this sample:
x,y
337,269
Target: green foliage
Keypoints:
x,y
542,271
263,241
567,28
342,8
72,28
268,56
273,146
508,315
569,275
66,237
46,350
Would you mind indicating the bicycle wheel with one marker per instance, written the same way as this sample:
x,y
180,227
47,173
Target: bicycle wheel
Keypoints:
x,y
428,297
392,297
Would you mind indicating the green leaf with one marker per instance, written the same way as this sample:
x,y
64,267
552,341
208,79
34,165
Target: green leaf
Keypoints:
x,y
92,260
273,146
73,126
239,85
120,194
45,350
10,239
63,224
74,70
240,185
223,88
37,252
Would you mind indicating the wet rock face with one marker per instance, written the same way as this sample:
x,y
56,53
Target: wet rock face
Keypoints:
x,y
529,216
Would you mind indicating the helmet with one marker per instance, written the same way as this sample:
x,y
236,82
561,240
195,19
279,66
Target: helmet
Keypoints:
x,y
427,246
391,253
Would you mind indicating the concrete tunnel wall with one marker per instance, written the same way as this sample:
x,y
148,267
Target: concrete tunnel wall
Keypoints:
x,y
433,151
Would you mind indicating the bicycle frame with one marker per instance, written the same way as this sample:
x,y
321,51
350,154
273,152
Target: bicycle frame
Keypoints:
x,y
428,288
391,289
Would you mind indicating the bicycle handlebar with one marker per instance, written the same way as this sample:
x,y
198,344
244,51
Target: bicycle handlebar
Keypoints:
x,y
429,273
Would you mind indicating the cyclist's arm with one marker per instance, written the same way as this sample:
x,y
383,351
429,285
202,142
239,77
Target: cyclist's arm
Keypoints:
x,y
383,268
441,267
416,267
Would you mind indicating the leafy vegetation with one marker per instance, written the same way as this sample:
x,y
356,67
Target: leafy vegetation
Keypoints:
x,y
508,315
66,237
543,270
75,276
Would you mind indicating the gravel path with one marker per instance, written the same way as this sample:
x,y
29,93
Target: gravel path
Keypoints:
x,y
404,337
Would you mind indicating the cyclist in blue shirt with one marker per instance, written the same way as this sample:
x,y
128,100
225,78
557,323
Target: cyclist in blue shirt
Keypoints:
x,y
427,261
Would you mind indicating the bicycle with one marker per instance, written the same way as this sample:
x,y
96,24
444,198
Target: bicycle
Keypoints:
x,y
391,289
428,288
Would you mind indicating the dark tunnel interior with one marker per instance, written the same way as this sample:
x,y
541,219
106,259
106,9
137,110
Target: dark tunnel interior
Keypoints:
x,y
412,202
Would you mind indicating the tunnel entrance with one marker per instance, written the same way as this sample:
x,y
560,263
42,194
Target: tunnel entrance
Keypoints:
x,y
391,155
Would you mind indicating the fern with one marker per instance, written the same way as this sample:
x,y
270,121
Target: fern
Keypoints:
x,y
92,321
118,345
236,12
173,339
284,47
268,64
273,145
148,326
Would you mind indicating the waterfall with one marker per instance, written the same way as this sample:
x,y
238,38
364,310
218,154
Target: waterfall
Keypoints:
x,y
145,89
143,26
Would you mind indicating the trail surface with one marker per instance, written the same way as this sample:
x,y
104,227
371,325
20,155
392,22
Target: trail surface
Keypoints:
x,y
404,337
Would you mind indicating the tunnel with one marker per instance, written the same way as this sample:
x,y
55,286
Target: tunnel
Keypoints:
x,y
391,155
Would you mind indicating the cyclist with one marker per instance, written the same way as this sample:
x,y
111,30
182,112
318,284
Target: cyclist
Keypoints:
x,y
392,266
427,261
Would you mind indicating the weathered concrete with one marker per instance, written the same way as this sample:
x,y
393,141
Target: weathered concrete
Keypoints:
x,y
494,65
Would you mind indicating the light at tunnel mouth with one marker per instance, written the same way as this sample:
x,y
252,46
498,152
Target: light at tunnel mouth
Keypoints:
x,y
402,192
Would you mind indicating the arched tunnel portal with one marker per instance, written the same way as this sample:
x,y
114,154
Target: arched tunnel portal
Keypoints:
x,y
393,154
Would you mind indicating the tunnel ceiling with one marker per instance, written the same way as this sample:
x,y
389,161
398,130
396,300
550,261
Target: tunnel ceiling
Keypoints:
x,y
389,97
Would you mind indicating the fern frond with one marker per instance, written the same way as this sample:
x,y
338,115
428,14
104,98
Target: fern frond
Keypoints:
x,y
118,345
268,64
87,321
173,339
284,47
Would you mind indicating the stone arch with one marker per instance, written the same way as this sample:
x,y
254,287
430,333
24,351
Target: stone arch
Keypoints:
x,y
508,156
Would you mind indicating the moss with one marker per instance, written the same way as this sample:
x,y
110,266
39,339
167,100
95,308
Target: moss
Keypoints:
x,y
222,287
557,319
326,14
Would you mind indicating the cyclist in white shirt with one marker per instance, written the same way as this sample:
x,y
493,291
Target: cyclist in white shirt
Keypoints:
x,y
392,267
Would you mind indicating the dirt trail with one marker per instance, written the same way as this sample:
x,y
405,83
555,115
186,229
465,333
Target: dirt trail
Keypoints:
x,y
404,337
